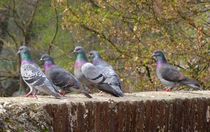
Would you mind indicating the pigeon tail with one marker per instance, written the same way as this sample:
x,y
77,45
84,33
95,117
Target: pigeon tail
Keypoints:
x,y
119,93
84,91
87,94
57,95
191,83
111,90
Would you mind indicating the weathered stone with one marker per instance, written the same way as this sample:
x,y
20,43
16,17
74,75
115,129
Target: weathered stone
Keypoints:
x,y
145,111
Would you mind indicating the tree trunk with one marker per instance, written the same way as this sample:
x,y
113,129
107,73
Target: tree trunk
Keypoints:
x,y
3,26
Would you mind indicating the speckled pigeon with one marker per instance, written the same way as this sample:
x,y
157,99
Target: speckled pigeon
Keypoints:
x,y
33,75
170,76
90,73
112,79
60,77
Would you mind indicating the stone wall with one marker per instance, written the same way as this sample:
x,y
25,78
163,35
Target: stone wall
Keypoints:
x,y
136,112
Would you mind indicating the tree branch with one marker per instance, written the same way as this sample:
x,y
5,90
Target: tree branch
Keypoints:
x,y
107,39
28,25
13,38
56,32
16,16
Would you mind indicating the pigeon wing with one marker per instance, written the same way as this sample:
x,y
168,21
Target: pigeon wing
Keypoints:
x,y
104,78
34,77
92,73
62,78
112,79
170,73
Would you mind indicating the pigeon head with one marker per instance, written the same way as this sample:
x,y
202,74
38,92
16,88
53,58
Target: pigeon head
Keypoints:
x,y
80,55
48,62
79,49
24,53
94,54
23,49
47,58
159,56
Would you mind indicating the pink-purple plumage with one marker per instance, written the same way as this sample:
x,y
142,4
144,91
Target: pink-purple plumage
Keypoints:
x,y
33,75
89,74
62,78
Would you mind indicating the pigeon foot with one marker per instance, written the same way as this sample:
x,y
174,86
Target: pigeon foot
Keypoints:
x,y
167,90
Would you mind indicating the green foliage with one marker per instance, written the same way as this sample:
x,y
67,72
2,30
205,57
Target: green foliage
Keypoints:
x,y
130,32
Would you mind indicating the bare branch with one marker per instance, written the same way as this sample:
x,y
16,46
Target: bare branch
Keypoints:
x,y
7,59
56,32
148,73
16,16
191,22
28,25
33,14
107,39
13,38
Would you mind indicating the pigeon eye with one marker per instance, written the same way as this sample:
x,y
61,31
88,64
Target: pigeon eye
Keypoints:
x,y
78,49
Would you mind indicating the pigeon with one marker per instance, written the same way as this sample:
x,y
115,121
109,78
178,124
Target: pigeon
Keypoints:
x,y
60,77
87,71
33,75
97,59
81,59
170,76
112,79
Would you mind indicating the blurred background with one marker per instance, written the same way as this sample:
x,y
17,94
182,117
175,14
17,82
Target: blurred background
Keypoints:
x,y
125,32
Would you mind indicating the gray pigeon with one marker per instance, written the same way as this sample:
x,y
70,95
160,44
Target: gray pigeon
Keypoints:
x,y
97,59
33,75
170,76
62,78
91,73
112,79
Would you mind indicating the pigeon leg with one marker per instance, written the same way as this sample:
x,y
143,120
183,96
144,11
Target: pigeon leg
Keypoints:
x,y
29,93
168,90
63,93
34,94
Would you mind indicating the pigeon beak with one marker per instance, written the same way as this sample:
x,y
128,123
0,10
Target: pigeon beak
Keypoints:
x,y
18,52
153,55
74,51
